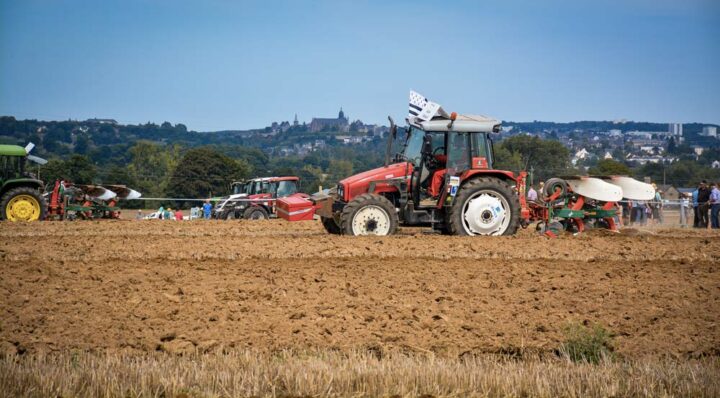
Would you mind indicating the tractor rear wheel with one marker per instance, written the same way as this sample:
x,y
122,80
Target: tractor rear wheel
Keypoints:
x,y
255,213
23,204
484,206
230,215
331,226
369,214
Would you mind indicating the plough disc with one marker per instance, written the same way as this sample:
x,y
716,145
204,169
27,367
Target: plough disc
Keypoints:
x,y
124,192
96,191
631,188
595,188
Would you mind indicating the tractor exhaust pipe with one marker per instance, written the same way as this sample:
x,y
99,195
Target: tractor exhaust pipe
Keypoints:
x,y
391,138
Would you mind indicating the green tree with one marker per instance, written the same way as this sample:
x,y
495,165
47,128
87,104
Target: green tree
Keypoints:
x,y
82,144
311,178
548,158
118,175
506,160
78,169
152,165
339,169
609,167
204,172
53,170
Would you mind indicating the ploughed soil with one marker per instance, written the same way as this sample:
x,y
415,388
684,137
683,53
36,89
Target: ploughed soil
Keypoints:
x,y
183,286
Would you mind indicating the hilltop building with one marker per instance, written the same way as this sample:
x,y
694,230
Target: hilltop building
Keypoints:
x,y
341,123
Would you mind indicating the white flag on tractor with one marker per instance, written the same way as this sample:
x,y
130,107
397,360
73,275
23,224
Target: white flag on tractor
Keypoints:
x,y
420,109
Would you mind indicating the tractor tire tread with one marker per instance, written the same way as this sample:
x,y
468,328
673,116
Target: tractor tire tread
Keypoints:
x,y
248,212
331,226
454,216
362,200
20,191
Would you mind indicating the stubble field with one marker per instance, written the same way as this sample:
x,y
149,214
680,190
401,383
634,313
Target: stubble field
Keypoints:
x,y
170,307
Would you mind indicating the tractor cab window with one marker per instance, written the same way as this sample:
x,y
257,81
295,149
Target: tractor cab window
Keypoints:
x,y
458,152
480,148
286,188
4,166
413,146
12,166
238,188
258,187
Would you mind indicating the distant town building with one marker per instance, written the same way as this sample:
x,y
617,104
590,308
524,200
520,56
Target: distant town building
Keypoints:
x,y
580,155
676,130
324,124
709,131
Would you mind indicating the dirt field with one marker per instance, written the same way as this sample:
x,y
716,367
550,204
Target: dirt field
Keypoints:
x,y
143,286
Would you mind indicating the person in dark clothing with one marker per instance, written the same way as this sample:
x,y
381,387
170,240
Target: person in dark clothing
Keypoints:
x,y
696,211
703,204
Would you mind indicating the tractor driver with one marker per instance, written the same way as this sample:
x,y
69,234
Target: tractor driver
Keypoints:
x,y
435,163
458,143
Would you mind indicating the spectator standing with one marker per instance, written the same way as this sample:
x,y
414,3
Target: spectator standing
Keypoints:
x,y
139,215
168,214
657,207
640,208
207,208
715,205
703,204
161,213
178,215
696,211
626,208
532,194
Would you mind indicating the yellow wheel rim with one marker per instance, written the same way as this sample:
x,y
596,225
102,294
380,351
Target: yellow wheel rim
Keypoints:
x,y
23,208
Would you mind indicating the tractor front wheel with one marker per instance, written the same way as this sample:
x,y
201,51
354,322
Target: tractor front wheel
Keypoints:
x,y
331,226
484,206
255,213
22,204
369,214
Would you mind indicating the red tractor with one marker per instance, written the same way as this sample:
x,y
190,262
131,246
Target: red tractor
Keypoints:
x,y
443,178
255,199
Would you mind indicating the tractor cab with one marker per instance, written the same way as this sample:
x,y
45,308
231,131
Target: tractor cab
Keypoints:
x,y
20,191
440,152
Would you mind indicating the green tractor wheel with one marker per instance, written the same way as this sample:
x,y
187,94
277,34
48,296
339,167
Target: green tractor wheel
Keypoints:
x,y
22,204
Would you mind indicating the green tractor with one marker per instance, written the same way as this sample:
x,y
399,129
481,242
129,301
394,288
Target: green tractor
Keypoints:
x,y
21,196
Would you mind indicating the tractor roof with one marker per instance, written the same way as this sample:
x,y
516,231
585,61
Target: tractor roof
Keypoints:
x,y
463,123
12,150
276,179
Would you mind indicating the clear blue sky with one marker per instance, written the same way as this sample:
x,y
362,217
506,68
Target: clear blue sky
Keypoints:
x,y
243,64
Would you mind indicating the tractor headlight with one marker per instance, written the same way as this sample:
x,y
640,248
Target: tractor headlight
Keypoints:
x,y
341,192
